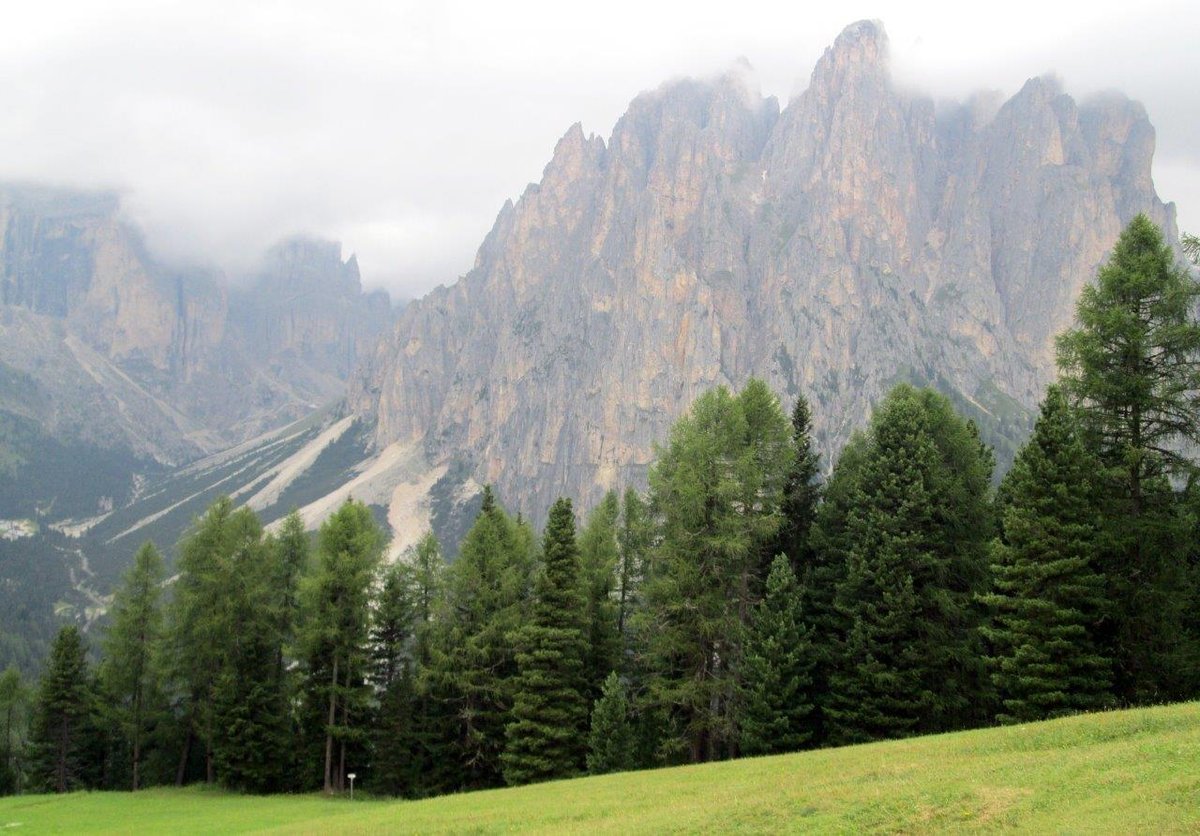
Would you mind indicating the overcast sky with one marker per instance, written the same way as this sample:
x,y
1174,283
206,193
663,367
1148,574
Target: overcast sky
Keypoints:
x,y
401,128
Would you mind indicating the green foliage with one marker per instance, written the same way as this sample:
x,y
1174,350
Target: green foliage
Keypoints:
x,y
717,490
336,631
62,732
599,558
915,546
1132,368
1048,598
15,700
776,676
611,737
546,736
472,662
130,680
801,493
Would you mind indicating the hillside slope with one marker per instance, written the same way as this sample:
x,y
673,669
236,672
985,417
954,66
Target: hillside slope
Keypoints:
x,y
1118,772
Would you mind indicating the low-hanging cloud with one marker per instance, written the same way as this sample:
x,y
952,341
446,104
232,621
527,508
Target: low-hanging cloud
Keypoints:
x,y
400,129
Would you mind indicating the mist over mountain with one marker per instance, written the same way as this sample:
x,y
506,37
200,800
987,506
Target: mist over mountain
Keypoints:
x,y
858,237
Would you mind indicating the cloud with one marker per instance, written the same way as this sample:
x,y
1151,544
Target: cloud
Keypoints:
x,y
402,128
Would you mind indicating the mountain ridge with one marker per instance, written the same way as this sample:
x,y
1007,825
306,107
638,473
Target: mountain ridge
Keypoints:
x,y
859,236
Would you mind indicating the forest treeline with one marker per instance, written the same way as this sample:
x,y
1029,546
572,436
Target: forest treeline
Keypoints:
x,y
741,606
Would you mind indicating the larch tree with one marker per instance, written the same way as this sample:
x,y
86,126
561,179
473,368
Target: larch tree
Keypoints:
x,y
716,490
336,631
1131,367
130,677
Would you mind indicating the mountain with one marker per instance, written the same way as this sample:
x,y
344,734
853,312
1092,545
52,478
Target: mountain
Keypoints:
x,y
106,352
132,392
861,236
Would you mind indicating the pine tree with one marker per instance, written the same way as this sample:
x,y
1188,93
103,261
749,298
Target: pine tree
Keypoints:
x,y
1132,368
129,678
611,737
1048,599
776,677
801,493
292,559
60,759
202,617
599,558
915,541
251,693
545,738
473,664
337,631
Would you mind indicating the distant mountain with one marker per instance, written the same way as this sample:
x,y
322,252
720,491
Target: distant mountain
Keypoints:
x,y
107,350
862,236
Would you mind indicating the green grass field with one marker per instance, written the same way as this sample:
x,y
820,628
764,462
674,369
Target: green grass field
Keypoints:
x,y
1120,772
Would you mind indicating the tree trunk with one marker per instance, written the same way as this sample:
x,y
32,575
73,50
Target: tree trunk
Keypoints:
x,y
181,773
329,728
341,779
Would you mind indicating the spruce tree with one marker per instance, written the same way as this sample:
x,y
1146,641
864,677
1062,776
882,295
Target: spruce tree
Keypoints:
x,y
776,676
546,737
1132,368
611,737
129,680
801,493
251,694
473,665
1048,598
915,543
62,728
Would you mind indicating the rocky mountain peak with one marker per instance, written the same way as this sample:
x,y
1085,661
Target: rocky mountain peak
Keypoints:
x,y
861,237
860,52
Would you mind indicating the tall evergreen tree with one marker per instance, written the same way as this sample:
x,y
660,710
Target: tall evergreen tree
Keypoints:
x,y
801,493
599,558
202,618
349,545
473,664
915,540
633,539
251,695
1132,367
293,556
546,737
611,744
1048,598
14,718
776,678
62,728
129,680
716,490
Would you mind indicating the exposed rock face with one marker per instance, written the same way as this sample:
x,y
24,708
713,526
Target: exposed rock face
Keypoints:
x,y
860,237
121,351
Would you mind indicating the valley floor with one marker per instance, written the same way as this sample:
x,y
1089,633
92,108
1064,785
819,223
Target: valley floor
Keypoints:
x,y
1118,772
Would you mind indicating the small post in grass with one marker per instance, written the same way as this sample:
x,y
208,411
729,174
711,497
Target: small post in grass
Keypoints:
x,y
351,776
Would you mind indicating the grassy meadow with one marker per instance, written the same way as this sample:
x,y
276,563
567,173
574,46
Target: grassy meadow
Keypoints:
x,y
1117,772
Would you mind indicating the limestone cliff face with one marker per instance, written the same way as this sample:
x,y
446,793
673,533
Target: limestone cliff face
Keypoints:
x,y
859,237
123,351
